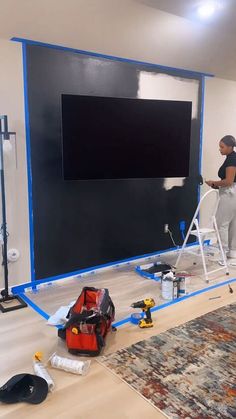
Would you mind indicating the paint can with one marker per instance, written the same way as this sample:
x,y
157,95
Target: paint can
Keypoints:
x,y
182,285
167,287
170,286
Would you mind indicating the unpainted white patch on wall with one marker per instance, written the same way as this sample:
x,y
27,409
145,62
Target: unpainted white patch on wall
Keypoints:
x,y
169,183
166,87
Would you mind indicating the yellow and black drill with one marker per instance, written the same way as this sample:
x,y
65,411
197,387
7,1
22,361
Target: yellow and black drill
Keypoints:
x,y
146,306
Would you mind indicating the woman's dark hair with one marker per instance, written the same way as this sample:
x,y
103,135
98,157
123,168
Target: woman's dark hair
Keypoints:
x,y
229,140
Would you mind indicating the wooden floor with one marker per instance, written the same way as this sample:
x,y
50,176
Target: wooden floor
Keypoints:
x,y
125,285
99,394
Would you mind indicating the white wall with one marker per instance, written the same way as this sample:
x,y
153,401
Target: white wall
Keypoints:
x,y
12,105
219,120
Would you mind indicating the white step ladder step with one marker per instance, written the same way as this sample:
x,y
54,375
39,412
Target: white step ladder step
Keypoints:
x,y
203,231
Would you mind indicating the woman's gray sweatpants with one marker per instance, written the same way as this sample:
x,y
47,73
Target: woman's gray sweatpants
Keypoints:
x,y
226,219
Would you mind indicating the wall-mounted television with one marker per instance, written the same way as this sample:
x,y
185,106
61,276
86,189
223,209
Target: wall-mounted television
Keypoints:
x,y
124,138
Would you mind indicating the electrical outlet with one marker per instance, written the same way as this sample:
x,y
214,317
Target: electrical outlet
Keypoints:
x,y
166,228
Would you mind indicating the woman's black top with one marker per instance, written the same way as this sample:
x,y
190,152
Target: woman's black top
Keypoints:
x,y
230,161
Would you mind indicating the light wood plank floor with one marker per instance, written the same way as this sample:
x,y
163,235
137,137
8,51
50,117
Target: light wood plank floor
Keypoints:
x,y
125,285
100,394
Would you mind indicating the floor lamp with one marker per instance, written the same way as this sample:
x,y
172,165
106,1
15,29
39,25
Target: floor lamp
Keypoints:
x,y
7,302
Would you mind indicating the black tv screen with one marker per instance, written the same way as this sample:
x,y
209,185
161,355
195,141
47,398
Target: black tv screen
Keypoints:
x,y
123,138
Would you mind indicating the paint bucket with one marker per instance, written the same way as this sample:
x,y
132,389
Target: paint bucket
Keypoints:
x,y
167,286
182,285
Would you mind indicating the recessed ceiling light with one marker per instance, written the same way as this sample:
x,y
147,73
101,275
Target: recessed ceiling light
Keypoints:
x,y
207,9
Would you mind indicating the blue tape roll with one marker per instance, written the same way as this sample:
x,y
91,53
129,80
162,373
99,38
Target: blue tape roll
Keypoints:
x,y
135,318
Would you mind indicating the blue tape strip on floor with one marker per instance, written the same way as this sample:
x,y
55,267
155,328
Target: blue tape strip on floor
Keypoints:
x,y
34,306
128,319
92,270
178,300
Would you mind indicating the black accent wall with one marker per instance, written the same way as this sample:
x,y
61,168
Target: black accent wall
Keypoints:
x,y
81,224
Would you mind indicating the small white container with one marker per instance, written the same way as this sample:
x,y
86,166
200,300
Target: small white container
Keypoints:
x,y
42,372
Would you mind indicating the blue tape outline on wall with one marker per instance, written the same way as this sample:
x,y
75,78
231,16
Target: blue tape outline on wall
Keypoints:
x,y
184,73
29,171
112,57
201,130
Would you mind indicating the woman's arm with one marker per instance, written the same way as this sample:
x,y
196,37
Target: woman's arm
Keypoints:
x,y
228,181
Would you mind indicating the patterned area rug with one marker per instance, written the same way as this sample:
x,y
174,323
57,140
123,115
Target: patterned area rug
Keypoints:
x,y
187,372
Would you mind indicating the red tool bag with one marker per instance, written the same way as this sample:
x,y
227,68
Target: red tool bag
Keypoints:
x,y
89,320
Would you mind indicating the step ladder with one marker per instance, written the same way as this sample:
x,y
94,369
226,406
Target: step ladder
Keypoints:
x,y
203,233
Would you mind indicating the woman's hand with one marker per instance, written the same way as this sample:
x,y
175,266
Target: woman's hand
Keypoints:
x,y
211,183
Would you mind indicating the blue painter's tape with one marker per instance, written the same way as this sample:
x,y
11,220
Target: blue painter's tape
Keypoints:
x,y
178,300
135,318
193,294
183,71
201,131
121,322
20,288
26,42
29,171
128,319
182,225
34,306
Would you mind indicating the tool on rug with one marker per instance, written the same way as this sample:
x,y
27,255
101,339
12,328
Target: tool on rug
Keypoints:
x,y
69,365
89,321
41,371
146,306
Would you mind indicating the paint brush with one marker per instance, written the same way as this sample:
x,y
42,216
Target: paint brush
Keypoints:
x,y
214,298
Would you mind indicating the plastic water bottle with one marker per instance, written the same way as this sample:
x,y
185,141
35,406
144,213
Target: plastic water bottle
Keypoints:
x,y
41,371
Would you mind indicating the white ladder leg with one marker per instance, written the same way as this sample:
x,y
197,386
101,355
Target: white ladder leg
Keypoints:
x,y
191,225
184,244
220,245
202,250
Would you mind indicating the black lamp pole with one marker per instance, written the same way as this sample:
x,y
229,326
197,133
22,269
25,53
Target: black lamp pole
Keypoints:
x,y
7,302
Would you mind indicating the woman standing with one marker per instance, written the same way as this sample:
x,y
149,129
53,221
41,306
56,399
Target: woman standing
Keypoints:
x,y
226,212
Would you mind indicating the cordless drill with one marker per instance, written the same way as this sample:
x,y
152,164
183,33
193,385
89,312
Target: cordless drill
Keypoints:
x,y
146,306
